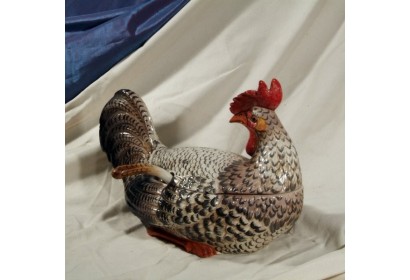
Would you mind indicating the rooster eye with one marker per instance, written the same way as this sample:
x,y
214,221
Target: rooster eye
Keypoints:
x,y
254,119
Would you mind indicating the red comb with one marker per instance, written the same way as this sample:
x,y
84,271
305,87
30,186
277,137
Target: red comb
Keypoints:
x,y
263,97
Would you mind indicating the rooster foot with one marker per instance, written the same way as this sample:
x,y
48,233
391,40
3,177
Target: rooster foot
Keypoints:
x,y
202,250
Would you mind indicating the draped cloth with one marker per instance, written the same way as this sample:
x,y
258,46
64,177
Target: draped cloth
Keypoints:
x,y
188,73
101,33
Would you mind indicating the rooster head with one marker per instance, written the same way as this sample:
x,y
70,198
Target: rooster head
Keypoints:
x,y
243,104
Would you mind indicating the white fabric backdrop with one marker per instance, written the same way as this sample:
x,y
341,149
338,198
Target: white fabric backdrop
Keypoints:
x,y
188,74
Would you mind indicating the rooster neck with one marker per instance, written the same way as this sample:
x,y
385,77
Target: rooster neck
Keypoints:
x,y
275,162
274,137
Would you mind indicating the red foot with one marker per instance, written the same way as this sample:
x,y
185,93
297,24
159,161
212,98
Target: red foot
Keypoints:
x,y
202,250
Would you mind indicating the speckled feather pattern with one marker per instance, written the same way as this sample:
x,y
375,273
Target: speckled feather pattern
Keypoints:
x,y
235,204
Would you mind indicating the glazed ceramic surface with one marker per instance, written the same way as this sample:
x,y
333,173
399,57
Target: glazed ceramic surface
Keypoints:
x,y
202,199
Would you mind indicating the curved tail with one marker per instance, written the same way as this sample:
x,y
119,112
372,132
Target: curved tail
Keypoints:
x,y
127,134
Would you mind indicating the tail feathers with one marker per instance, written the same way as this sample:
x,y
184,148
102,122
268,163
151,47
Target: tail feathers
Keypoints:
x,y
127,134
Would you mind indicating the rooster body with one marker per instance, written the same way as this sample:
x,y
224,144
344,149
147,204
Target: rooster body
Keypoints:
x,y
203,199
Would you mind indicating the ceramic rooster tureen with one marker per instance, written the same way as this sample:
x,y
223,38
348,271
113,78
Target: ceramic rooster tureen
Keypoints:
x,y
201,199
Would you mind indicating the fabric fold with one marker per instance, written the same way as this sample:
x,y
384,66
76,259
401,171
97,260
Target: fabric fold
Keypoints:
x,y
98,37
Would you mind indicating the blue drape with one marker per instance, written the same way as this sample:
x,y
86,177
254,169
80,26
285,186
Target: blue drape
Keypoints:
x,y
98,34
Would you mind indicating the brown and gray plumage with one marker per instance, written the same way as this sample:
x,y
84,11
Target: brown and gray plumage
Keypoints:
x,y
202,199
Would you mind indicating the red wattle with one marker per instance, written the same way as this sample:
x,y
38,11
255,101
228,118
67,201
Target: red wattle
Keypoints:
x,y
252,142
